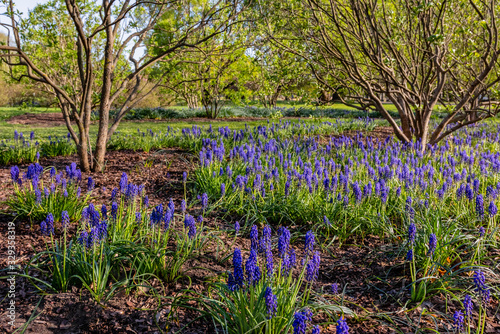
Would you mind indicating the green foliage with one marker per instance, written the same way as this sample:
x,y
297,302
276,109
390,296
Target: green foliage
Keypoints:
x,y
122,250
34,198
57,146
244,310
17,151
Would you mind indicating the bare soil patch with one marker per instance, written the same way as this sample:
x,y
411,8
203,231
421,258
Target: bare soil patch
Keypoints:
x,y
38,119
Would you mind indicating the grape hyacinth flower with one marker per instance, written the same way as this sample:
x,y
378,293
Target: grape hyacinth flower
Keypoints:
x,y
480,286
482,231
480,206
50,223
316,330
38,196
291,258
223,189
192,229
237,227
104,212
269,260
412,232
167,218
114,192
283,242
238,277
123,183
485,295
271,302
480,282
114,210
43,228
93,236
14,174
312,268
309,243
204,201
254,237
145,201
83,239
326,221
183,206
356,190
458,320
188,220
90,184
252,269
342,327
64,219
469,193
184,177
468,306
300,321
432,243
409,255
492,209
47,226
346,200
334,288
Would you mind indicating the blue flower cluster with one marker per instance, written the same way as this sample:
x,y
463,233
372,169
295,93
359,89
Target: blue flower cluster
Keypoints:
x,y
301,320
58,181
47,226
98,227
481,288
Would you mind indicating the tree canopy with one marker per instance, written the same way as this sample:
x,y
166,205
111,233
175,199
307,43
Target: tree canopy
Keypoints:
x,y
420,56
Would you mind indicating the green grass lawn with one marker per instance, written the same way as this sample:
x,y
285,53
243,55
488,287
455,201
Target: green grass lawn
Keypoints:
x,y
129,127
7,129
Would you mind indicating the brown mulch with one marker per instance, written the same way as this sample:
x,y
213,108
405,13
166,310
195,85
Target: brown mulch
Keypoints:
x,y
38,119
379,133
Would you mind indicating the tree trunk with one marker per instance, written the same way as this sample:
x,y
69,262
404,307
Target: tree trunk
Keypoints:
x,y
83,153
274,97
404,114
105,105
100,149
192,101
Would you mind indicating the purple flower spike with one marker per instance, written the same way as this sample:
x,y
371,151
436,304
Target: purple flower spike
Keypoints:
x,y
271,302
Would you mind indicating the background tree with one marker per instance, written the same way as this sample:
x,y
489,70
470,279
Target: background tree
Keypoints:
x,y
91,54
278,73
417,54
212,72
